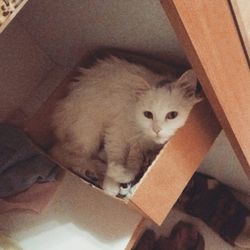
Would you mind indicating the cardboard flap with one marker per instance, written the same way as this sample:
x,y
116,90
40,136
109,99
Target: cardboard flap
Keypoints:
x,y
164,181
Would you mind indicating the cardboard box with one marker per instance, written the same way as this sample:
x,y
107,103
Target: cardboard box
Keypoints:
x,y
165,179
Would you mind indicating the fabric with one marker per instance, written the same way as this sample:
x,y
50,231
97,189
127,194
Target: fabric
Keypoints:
x,y
34,199
21,163
6,243
147,241
214,203
184,236
28,178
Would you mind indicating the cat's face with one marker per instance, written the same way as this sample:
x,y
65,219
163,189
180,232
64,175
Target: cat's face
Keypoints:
x,y
162,110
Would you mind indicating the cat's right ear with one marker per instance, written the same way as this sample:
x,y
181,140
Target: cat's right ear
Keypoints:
x,y
188,82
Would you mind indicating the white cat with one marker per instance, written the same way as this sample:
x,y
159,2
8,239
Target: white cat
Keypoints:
x,y
125,108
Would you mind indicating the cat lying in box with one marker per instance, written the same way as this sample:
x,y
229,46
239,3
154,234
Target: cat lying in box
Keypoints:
x,y
122,111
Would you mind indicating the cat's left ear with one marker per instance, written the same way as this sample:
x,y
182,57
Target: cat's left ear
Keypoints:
x,y
141,86
188,83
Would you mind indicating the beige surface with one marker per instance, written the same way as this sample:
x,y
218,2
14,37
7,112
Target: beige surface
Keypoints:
x,y
19,56
65,30
222,163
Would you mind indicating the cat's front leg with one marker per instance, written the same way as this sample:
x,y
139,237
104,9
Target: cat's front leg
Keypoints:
x,y
134,163
79,162
135,157
120,173
110,186
117,172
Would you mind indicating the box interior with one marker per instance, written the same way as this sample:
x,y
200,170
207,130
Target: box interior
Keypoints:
x,y
78,217
159,181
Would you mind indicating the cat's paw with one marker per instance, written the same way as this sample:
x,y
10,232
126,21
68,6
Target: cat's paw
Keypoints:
x,y
111,187
125,189
120,174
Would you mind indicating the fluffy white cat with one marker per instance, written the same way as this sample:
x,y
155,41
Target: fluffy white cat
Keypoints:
x,y
124,108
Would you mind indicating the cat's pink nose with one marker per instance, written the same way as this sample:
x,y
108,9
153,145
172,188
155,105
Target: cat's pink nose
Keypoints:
x,y
157,130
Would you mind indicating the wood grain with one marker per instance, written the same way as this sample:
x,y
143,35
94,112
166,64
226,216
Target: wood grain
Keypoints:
x,y
208,34
163,183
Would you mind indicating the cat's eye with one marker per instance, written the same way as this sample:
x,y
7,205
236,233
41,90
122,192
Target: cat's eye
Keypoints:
x,y
148,114
171,115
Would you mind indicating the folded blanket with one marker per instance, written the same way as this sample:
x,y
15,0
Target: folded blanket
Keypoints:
x,y
184,236
21,163
215,204
33,200
6,243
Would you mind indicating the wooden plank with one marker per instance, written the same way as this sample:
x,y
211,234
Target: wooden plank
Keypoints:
x,y
208,34
163,183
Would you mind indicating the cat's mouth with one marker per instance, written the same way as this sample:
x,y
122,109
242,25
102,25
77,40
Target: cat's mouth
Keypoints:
x,y
159,140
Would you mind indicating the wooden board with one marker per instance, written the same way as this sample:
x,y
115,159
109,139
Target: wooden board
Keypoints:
x,y
208,34
163,183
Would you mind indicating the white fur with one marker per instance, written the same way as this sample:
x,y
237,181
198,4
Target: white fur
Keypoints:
x,y
161,101
106,106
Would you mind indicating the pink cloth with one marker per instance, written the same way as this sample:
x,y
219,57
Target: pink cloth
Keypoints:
x,y
35,199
